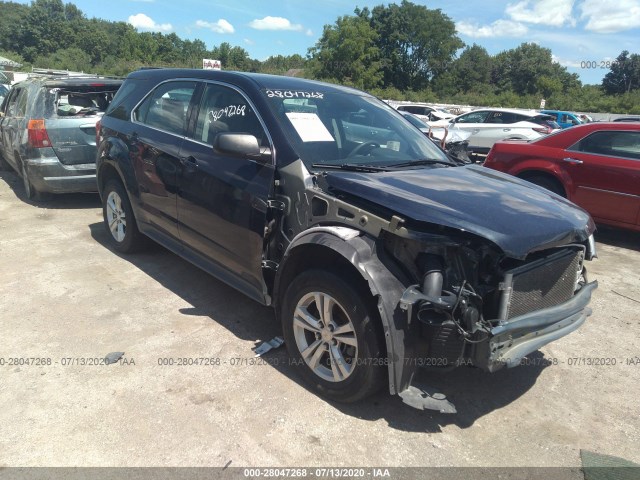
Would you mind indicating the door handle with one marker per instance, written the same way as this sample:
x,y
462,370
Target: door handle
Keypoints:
x,y
190,163
506,129
474,131
573,161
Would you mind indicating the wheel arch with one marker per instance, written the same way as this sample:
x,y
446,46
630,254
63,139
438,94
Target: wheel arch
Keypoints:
x,y
352,253
552,176
114,161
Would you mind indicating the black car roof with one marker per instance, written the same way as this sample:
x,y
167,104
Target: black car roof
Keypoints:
x,y
261,80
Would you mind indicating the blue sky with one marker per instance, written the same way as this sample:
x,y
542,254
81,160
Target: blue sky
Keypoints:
x,y
576,31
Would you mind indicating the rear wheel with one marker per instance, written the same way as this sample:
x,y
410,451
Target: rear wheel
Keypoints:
x,y
119,221
333,336
548,183
30,191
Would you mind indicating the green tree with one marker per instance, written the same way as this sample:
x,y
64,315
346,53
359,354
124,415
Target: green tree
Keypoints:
x,y
12,16
45,29
624,74
415,43
72,59
347,53
521,69
472,70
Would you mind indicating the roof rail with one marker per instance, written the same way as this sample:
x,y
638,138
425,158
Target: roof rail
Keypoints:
x,y
51,73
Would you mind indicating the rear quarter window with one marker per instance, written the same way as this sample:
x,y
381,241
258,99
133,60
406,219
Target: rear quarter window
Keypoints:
x,y
166,107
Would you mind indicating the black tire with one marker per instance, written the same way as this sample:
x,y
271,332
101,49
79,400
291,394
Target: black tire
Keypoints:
x,y
368,369
546,182
31,192
126,238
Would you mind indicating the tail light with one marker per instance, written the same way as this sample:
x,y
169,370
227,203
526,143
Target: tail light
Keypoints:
x,y
543,130
37,134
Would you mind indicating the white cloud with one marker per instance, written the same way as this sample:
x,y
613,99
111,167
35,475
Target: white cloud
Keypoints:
x,y
309,33
543,12
221,26
610,16
567,63
143,22
274,23
499,28
248,41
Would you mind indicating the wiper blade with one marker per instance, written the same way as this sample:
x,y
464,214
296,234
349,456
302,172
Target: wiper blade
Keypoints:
x,y
426,161
351,167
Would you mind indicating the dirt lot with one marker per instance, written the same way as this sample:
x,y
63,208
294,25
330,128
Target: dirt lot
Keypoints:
x,y
67,297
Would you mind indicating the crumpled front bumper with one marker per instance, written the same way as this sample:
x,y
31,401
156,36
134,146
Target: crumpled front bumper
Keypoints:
x,y
514,339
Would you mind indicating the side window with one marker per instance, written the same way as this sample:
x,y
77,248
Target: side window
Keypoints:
x,y
473,117
505,117
166,108
612,143
223,109
16,104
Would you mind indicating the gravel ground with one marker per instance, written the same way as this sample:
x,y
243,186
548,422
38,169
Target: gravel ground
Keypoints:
x,y
66,296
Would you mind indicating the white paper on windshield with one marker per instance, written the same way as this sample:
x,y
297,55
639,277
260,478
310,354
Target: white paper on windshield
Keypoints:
x,y
309,127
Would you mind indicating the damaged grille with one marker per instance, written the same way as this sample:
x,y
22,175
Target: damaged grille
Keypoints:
x,y
543,283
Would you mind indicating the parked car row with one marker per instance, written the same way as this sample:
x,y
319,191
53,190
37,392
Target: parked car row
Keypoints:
x,y
47,132
378,253
425,113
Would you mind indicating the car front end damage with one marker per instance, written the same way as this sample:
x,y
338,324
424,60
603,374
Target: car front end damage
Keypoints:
x,y
472,306
450,292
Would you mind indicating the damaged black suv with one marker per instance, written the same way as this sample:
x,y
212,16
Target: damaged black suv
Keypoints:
x,y
379,254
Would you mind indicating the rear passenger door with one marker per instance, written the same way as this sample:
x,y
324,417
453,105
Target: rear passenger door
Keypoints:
x,y
154,145
222,202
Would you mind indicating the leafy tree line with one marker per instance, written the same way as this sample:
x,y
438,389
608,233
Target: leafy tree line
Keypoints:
x,y
400,52
52,34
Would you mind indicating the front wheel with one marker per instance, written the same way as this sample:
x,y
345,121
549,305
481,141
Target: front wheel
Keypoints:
x,y
333,336
119,221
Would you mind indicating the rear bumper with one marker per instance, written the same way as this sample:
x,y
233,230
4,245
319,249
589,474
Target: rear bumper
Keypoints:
x,y
518,337
49,175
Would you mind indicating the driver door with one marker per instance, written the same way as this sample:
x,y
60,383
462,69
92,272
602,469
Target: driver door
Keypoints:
x,y
222,198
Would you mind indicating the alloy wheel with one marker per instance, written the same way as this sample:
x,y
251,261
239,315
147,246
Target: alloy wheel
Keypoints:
x,y
325,337
116,217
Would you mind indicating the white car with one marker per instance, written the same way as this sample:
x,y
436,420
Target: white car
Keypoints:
x,y
425,113
487,126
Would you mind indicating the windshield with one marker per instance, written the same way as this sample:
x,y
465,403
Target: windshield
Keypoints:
x,y
415,121
336,128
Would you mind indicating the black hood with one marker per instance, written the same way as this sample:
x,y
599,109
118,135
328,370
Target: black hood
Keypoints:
x,y
516,215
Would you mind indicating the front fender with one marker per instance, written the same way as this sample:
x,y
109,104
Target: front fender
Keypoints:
x,y
360,251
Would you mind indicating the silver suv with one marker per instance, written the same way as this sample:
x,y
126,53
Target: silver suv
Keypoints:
x,y
48,132
487,126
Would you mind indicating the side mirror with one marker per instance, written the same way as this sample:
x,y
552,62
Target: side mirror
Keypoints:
x,y
241,145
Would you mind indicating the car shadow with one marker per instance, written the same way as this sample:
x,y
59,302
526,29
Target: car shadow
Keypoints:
x,y
618,237
62,201
474,392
